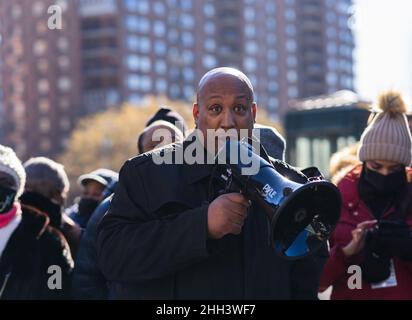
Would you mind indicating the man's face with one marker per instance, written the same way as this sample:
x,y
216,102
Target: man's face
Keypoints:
x,y
224,102
93,190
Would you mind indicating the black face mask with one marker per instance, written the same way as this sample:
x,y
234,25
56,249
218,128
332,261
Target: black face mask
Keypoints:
x,y
7,197
384,185
87,206
53,210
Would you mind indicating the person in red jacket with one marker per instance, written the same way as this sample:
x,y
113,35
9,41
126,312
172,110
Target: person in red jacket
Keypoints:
x,y
371,247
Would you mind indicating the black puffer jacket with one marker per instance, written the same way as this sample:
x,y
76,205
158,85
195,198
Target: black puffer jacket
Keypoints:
x,y
33,248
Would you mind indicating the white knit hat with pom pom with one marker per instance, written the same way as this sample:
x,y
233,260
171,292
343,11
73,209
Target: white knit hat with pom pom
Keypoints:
x,y
388,136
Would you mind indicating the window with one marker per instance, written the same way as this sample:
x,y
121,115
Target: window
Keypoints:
x,y
64,84
161,85
132,43
272,71
175,91
141,6
250,64
63,44
135,98
43,86
291,45
44,106
209,10
145,83
158,8
270,7
133,62
160,67
44,124
187,56
45,145
332,78
290,15
331,48
65,123
173,35
188,92
292,76
291,30
209,61
188,74
186,4
187,21
159,28
210,44
249,14
209,27
292,61
273,87
293,92
160,48
42,65
40,47
273,104
187,39
251,48
138,63
250,31
38,8
63,62
272,55
144,45
135,24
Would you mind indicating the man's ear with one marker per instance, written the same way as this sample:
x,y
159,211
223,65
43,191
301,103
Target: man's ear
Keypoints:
x,y
254,111
195,112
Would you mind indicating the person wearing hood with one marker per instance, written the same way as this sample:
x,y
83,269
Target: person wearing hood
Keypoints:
x,y
35,259
93,187
374,234
47,186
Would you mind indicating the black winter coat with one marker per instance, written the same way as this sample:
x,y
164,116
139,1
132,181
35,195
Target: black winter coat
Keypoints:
x,y
32,248
88,281
153,243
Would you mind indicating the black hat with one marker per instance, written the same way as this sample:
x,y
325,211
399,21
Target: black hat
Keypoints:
x,y
103,176
169,115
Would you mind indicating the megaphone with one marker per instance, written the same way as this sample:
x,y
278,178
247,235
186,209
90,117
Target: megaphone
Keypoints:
x,y
301,216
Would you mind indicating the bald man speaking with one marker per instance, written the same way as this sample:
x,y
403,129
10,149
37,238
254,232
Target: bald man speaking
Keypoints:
x,y
170,235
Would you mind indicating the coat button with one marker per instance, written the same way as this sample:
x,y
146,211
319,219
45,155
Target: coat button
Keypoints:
x,y
350,204
355,213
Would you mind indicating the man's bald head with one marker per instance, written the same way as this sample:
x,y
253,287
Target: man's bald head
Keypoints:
x,y
214,77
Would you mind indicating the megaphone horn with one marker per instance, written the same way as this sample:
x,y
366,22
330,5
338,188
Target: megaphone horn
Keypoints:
x,y
302,216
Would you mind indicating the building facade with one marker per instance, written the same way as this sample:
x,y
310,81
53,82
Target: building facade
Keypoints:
x,y
39,69
290,49
115,51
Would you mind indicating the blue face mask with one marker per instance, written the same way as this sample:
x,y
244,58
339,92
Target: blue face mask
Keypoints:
x,y
7,197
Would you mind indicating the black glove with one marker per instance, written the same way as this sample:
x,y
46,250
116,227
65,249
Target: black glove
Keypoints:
x,y
394,238
376,264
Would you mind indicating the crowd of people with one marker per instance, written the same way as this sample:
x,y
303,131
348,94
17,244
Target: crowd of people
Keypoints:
x,y
165,232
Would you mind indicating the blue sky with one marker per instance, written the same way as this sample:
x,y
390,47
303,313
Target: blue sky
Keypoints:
x,y
383,35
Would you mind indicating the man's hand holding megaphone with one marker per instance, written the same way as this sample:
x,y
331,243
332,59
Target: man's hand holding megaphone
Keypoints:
x,y
226,215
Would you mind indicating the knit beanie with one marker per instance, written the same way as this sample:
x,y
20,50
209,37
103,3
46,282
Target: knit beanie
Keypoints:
x,y
388,136
10,164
